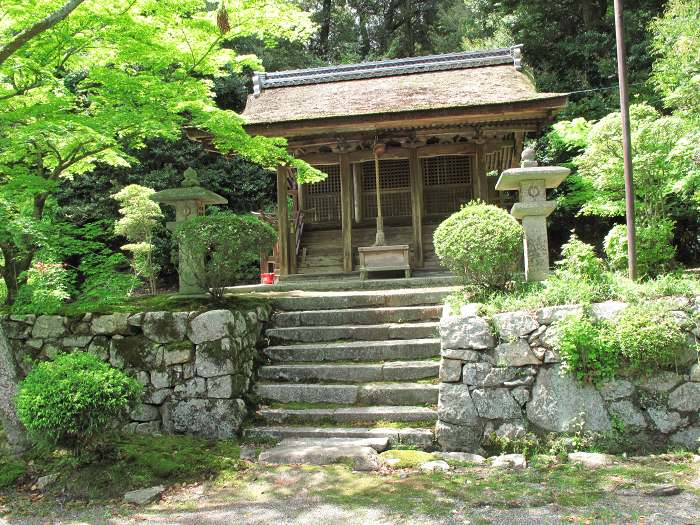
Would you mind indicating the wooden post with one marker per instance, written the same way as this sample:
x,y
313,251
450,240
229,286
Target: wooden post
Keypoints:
x,y
416,205
519,137
481,184
346,188
357,182
282,220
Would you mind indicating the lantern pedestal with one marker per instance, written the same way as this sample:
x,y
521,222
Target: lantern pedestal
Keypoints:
x,y
532,182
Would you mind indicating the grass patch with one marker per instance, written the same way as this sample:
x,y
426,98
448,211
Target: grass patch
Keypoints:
x,y
555,291
135,461
160,302
406,458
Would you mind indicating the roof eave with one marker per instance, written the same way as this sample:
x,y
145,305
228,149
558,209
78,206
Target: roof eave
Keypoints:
x,y
292,127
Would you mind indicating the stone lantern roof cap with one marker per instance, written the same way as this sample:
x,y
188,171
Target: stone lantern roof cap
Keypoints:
x,y
552,176
191,193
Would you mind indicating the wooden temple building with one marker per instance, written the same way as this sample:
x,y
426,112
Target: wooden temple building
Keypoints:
x,y
442,126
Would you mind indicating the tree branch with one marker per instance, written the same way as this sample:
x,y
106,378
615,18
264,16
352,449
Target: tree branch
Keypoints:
x,y
42,25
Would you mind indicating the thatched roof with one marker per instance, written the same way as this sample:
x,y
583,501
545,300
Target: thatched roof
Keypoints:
x,y
457,80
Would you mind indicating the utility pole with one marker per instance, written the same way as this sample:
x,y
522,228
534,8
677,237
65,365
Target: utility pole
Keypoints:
x,y
626,141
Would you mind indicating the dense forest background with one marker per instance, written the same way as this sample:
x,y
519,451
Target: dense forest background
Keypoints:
x,y
569,46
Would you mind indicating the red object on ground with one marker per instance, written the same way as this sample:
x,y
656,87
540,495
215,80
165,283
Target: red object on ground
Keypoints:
x,y
267,278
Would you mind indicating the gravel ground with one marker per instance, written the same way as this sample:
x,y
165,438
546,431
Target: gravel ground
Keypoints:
x,y
626,508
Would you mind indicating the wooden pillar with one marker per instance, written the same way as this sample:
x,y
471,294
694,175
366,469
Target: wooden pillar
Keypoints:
x,y
518,148
357,182
282,220
481,185
416,205
346,190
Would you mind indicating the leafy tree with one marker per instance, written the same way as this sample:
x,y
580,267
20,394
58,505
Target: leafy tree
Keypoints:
x,y
96,84
140,216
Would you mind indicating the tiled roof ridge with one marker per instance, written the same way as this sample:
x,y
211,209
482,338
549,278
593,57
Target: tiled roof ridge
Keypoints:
x,y
385,68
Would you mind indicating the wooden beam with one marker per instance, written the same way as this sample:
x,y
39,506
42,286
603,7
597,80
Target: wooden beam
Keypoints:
x,y
346,190
481,186
416,205
282,220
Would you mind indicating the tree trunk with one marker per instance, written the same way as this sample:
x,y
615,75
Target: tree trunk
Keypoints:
x,y
325,29
9,377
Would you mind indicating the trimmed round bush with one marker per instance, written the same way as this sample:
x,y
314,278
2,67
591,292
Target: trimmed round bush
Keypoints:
x,y
72,400
654,249
481,243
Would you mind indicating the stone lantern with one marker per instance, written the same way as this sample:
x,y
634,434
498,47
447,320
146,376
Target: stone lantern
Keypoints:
x,y
532,182
189,200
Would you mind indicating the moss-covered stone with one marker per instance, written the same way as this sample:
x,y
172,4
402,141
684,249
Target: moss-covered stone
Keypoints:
x,y
136,352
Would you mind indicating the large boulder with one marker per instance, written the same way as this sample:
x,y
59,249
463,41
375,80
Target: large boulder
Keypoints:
x,y
495,403
210,418
165,327
483,374
688,438
512,325
455,405
49,327
666,421
458,438
216,324
516,353
559,401
110,324
685,398
466,332
630,415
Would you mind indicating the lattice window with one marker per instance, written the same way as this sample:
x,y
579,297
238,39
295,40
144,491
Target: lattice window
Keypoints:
x,y
499,160
450,169
443,201
395,204
395,180
393,173
332,182
323,198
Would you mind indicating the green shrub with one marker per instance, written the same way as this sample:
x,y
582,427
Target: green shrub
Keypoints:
x,y
46,290
72,400
580,276
647,336
584,351
654,249
230,243
481,243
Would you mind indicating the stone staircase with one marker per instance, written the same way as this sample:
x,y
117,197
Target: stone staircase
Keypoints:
x,y
351,365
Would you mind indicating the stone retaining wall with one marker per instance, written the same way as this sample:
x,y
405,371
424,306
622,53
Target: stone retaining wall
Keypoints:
x,y
502,375
195,366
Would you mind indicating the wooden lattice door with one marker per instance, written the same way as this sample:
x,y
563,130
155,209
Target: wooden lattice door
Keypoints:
x,y
447,183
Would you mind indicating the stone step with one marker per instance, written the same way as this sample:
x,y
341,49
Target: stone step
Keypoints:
x,y
347,414
356,351
420,437
355,316
373,332
338,281
314,300
352,373
360,457
380,444
365,394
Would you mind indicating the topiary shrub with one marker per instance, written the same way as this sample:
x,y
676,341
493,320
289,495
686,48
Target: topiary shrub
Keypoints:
x,y
481,243
72,400
654,249
647,336
230,244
